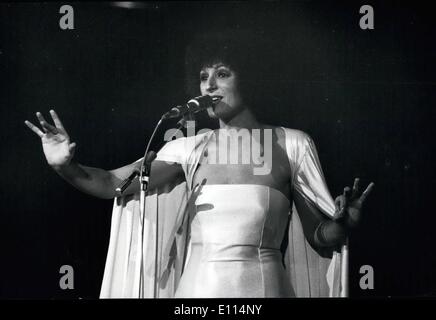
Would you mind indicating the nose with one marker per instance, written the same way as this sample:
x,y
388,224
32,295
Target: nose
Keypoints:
x,y
211,84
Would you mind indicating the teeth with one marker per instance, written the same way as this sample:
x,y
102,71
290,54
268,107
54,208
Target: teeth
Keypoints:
x,y
217,98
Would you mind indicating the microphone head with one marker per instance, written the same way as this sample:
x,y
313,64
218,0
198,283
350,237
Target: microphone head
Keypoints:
x,y
193,106
203,102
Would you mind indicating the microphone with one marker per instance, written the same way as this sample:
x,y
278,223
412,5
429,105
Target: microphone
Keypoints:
x,y
123,186
151,155
193,106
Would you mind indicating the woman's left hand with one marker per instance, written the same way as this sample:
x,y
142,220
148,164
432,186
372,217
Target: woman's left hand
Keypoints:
x,y
349,205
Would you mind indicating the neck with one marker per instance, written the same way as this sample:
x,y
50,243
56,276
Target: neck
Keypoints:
x,y
244,119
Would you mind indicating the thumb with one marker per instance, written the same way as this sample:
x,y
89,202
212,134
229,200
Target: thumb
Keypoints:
x,y
72,148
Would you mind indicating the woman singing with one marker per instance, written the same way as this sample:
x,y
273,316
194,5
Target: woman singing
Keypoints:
x,y
219,219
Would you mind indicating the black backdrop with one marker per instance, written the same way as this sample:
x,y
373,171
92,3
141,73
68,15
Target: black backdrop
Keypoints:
x,y
365,96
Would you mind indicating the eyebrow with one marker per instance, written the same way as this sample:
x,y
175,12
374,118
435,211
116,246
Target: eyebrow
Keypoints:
x,y
216,66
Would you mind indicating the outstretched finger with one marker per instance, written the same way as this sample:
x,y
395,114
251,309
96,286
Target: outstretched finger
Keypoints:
x,y
56,120
45,125
355,188
345,200
339,206
346,193
366,192
40,117
34,128
49,128
338,203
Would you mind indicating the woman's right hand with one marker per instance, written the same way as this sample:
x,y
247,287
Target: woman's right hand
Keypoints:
x,y
55,140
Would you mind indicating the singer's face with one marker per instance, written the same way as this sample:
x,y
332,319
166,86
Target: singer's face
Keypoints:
x,y
220,80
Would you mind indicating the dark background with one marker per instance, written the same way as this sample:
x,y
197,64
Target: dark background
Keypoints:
x,y
367,98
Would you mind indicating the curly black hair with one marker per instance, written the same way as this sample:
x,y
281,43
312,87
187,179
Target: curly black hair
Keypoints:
x,y
248,54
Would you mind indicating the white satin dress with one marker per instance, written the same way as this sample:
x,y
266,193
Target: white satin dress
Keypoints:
x,y
236,233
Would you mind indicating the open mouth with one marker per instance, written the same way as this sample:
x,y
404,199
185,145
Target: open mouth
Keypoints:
x,y
216,99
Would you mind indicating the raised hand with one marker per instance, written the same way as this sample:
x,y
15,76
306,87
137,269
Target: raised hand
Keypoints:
x,y
349,204
55,140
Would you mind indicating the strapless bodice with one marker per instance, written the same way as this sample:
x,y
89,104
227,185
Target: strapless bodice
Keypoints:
x,y
236,233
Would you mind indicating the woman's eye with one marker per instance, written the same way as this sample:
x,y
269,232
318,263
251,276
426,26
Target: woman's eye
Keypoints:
x,y
203,77
223,74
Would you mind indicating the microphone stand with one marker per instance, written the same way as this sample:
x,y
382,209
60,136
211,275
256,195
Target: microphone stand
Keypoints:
x,y
144,176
